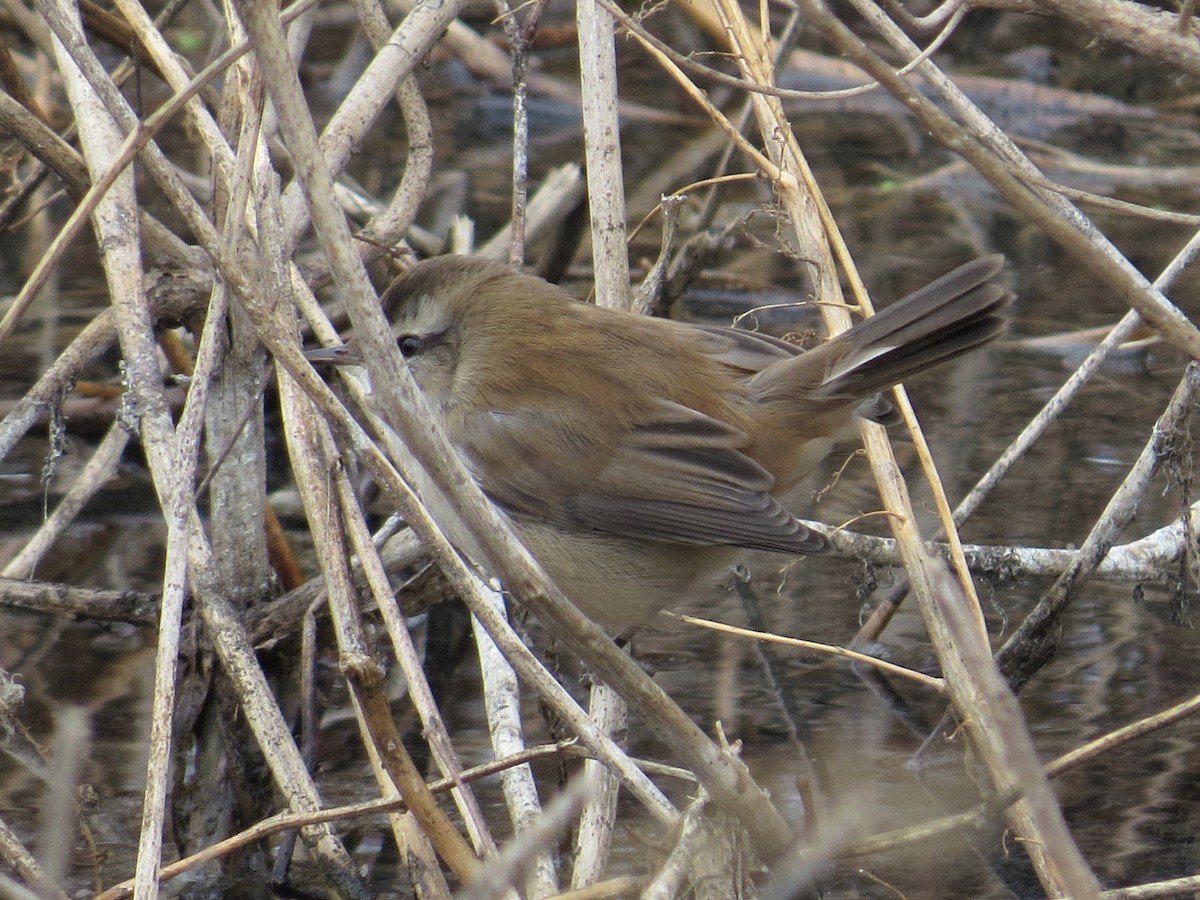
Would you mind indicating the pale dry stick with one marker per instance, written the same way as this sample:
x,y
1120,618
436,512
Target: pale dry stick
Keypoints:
x,y
122,264
518,51
209,356
412,843
134,326
389,227
306,663
291,12
1171,887
484,59
1023,653
236,483
937,685
550,203
705,16
275,619
72,602
691,838
602,152
157,165
720,871
159,759
725,776
44,144
299,32
309,447
1060,862
27,868
432,724
506,872
100,467
1141,28
72,735
394,62
765,164
1148,725
946,11
809,218
343,140
758,66
167,62
995,156
424,827
911,834
289,821
992,716
1146,559
593,839
1162,178
653,286
1071,387
502,705
98,335
461,238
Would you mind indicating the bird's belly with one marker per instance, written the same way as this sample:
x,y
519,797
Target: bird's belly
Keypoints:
x,y
620,582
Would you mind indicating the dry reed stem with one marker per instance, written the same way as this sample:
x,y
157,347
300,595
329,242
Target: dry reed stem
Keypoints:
x,y
602,151
1022,653
281,822
234,646
999,734
999,160
502,703
725,776
1059,862
597,821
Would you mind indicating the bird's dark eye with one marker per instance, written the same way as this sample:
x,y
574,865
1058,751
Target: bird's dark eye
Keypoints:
x,y
410,345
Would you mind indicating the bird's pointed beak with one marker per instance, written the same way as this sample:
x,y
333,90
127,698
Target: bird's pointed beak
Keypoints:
x,y
345,355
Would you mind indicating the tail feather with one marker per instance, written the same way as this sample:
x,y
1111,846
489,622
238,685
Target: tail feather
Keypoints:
x,y
942,320
918,306
948,332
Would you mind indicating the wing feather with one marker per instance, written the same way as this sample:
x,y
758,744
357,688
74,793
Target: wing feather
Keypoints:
x,y
678,476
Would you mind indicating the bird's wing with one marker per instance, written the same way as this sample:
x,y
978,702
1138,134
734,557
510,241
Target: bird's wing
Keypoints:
x,y
676,476
748,352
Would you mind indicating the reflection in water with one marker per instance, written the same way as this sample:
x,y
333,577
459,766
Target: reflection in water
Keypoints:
x,y
1119,658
